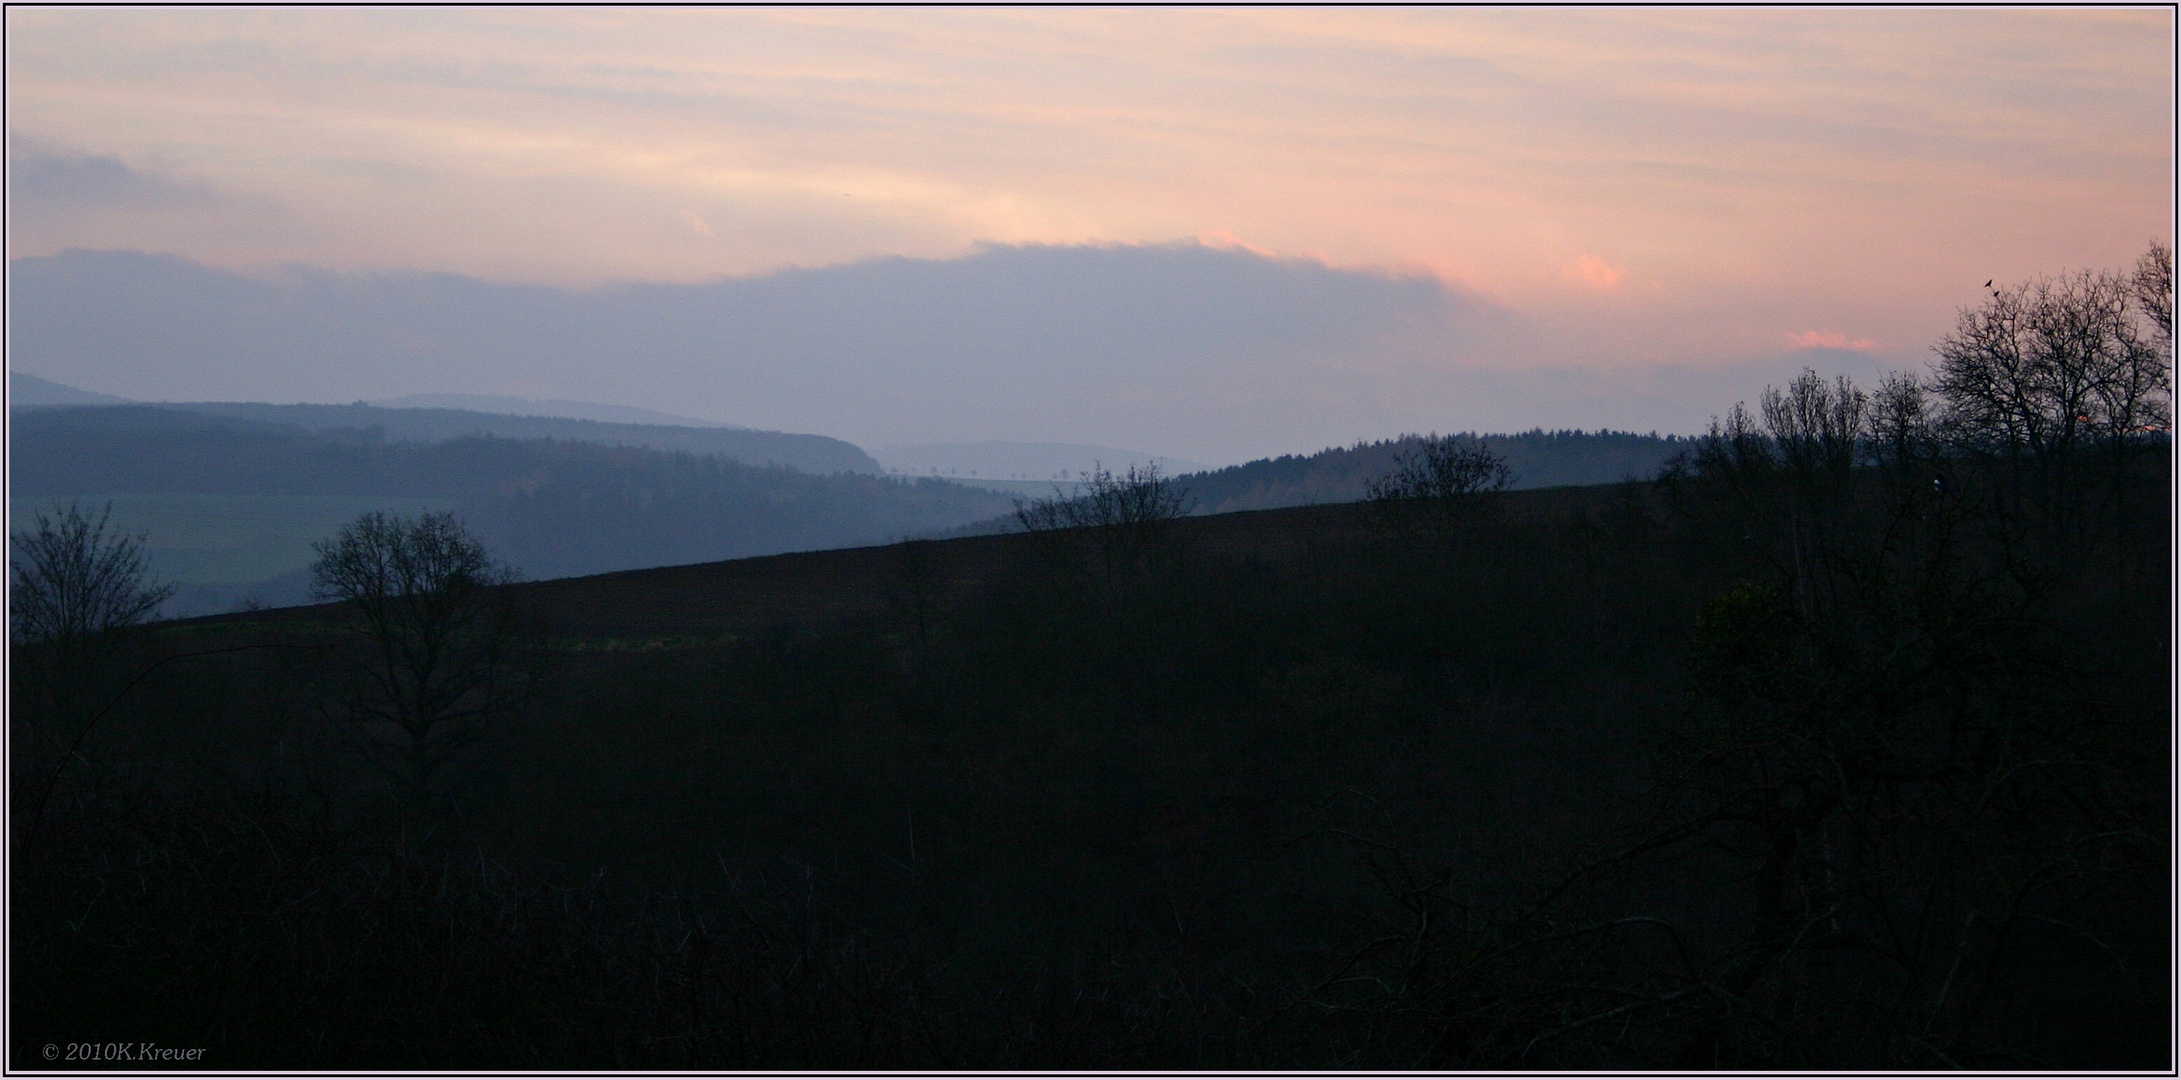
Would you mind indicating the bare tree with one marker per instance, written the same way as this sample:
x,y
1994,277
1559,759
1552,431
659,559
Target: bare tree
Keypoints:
x,y
1782,479
1815,425
2044,368
1443,467
74,581
440,639
1897,429
2152,284
1136,500
1122,518
76,587
1815,430
1442,482
1111,550
2139,395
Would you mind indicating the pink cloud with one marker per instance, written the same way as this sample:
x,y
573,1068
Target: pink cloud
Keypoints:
x,y
1830,339
1592,271
1223,238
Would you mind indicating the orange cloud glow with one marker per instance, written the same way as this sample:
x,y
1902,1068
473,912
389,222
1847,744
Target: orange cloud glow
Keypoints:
x,y
1740,187
1224,238
1592,271
1830,339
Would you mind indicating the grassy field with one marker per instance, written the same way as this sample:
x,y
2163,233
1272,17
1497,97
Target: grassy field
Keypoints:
x,y
193,539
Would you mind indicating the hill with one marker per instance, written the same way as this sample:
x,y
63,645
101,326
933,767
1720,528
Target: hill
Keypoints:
x,y
1076,339
577,410
232,502
1539,458
1595,778
26,390
820,591
1032,462
806,453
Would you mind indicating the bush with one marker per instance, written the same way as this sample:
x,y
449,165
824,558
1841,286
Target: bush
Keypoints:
x,y
1444,480
1136,500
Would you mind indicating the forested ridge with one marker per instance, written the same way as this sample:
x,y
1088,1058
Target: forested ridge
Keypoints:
x,y
553,507
577,503
1537,458
807,453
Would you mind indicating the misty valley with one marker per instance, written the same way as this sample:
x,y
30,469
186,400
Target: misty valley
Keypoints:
x,y
231,496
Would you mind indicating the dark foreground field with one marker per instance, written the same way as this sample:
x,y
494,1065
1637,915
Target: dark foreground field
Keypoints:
x,y
1701,774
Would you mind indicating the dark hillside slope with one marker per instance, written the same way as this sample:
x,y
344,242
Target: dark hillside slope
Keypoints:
x,y
818,591
1575,779
815,591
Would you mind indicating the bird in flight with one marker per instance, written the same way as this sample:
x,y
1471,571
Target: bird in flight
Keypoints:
x,y
1988,284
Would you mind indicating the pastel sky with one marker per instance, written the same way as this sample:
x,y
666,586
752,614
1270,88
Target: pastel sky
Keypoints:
x,y
1626,188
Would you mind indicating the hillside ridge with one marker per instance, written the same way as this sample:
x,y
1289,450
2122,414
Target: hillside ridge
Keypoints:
x,y
809,589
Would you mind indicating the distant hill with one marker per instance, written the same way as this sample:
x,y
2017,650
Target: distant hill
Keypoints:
x,y
805,453
895,349
231,502
574,410
1538,459
1036,462
32,391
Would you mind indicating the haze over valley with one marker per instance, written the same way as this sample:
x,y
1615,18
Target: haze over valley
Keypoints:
x,y
230,497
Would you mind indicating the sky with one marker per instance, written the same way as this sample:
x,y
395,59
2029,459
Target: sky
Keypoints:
x,y
1584,217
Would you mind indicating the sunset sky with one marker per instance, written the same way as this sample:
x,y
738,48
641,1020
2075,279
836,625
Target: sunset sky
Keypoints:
x,y
1604,194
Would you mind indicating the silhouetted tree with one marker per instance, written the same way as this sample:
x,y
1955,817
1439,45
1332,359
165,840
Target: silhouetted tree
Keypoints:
x,y
1120,522
2044,370
1779,485
1107,558
1137,500
76,588
1897,428
440,639
1445,479
1815,425
2045,366
2152,283
74,581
